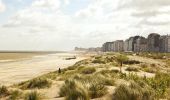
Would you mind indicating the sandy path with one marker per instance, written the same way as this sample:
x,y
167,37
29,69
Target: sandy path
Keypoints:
x,y
17,71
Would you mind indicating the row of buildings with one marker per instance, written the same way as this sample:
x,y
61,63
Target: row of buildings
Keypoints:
x,y
153,43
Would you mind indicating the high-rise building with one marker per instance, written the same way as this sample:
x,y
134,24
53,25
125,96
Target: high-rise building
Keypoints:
x,y
140,45
108,46
118,47
153,42
130,44
164,43
126,45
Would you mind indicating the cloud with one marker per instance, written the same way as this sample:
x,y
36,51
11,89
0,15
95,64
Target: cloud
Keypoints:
x,y
46,4
45,25
2,6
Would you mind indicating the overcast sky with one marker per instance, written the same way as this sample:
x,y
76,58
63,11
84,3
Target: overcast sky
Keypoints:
x,y
64,24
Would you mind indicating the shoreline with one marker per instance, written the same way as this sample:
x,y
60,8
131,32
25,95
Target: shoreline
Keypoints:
x,y
26,69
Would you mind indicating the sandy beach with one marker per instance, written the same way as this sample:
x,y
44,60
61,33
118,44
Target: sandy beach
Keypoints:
x,y
15,71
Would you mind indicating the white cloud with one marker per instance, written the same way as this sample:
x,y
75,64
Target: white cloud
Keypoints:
x,y
45,25
46,4
2,6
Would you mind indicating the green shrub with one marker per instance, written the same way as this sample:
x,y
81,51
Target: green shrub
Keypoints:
x,y
135,69
133,92
97,90
34,95
88,70
3,91
73,90
36,83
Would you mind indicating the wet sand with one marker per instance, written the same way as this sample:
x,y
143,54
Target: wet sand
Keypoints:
x,y
15,71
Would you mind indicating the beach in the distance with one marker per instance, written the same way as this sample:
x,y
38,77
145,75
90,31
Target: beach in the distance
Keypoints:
x,y
28,66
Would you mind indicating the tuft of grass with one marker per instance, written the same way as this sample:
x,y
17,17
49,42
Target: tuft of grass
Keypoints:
x,y
88,70
36,83
3,91
33,95
97,90
133,92
135,69
73,90
15,95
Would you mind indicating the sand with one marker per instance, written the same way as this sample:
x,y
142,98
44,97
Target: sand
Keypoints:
x,y
15,71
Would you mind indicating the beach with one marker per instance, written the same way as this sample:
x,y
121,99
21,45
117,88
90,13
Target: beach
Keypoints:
x,y
14,71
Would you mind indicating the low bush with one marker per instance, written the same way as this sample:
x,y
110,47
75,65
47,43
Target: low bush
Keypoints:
x,y
36,83
73,90
135,69
33,95
88,70
3,91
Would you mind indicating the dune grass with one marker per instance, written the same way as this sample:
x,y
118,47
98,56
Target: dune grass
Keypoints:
x,y
3,91
36,83
135,69
73,90
15,95
88,70
33,95
97,90
133,92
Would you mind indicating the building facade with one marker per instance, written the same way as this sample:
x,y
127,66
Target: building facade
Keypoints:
x,y
140,45
153,42
164,43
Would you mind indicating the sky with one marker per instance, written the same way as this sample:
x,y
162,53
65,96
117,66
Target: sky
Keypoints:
x,y
64,24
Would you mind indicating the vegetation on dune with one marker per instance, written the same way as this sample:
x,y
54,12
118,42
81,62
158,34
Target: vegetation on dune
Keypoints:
x,y
88,70
3,91
97,78
73,90
83,81
130,62
155,55
33,95
36,83
100,61
15,95
51,75
135,69
120,59
150,68
97,90
133,91
160,83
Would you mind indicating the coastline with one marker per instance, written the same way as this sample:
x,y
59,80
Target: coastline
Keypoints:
x,y
19,70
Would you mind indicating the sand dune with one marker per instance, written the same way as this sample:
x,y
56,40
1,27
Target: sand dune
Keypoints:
x,y
12,72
